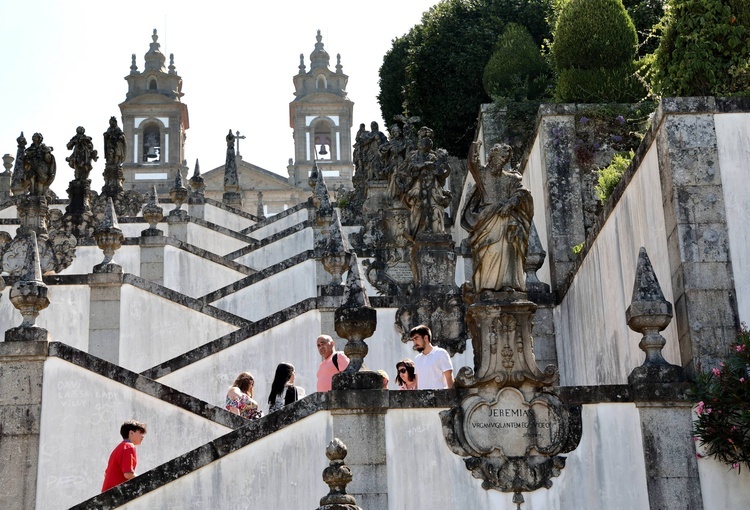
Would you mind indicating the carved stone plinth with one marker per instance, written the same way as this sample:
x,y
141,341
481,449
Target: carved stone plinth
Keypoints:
x,y
510,426
434,262
24,334
443,312
500,325
32,211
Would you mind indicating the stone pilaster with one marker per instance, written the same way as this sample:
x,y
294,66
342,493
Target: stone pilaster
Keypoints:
x,y
696,229
361,427
21,377
152,258
563,183
178,225
104,316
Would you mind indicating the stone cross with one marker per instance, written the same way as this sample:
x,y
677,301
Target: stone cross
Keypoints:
x,y
238,137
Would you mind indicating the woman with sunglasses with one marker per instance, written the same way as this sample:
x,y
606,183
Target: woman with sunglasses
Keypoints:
x,y
406,378
283,391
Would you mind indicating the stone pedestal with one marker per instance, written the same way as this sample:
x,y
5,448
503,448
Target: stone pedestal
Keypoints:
x,y
359,421
178,224
32,211
152,258
21,378
104,315
434,263
5,186
668,447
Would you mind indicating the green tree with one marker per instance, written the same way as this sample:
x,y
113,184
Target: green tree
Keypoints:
x,y
435,71
594,53
516,70
705,50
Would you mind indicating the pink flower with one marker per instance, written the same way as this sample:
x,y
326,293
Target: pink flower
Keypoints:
x,y
735,466
731,441
740,348
695,439
716,372
742,379
699,407
698,456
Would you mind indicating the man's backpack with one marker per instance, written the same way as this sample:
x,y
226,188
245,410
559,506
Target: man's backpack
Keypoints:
x,y
336,361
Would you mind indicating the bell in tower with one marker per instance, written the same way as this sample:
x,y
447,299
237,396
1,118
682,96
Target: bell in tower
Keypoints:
x,y
321,117
154,120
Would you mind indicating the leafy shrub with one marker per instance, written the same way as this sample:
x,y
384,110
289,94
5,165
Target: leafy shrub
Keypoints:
x,y
723,409
516,70
594,51
610,175
705,49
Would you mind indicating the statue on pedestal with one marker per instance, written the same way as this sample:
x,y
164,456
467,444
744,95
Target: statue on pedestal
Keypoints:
x,y
114,154
83,154
498,216
39,166
426,198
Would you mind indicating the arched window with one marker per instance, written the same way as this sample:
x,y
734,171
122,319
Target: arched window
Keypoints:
x,y
151,144
321,83
152,83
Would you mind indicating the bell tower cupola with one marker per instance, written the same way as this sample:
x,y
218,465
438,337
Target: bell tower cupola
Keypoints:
x,y
154,120
321,117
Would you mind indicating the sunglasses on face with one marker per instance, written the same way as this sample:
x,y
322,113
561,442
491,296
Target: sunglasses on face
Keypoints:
x,y
401,370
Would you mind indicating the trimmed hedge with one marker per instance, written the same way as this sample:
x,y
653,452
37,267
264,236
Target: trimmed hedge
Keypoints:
x,y
516,70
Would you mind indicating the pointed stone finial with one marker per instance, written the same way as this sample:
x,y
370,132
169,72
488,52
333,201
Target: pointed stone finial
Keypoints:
x,y
535,256
171,64
153,214
301,63
154,37
232,193
133,65
648,314
109,239
355,320
178,193
313,179
335,258
197,184
337,476
29,293
18,183
339,67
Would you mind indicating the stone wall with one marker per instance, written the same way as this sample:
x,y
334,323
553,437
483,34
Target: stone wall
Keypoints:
x,y
215,213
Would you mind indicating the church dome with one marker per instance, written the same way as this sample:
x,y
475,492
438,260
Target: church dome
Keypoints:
x,y
319,57
154,58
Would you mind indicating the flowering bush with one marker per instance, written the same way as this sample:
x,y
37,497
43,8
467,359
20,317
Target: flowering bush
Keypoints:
x,y
723,409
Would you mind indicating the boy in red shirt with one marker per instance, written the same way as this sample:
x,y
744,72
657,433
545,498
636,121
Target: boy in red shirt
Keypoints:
x,y
122,461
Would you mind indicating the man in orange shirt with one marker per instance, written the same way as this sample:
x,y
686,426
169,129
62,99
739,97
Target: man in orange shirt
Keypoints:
x,y
122,460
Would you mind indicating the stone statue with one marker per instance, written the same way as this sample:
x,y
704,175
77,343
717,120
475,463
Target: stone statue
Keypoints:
x,y
498,217
372,141
114,155
83,154
39,166
426,197
359,150
114,144
394,155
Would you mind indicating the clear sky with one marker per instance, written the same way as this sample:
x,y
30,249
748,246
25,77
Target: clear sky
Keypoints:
x,y
64,63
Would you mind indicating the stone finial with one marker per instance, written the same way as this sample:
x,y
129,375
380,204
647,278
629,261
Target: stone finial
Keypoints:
x,y
648,314
232,193
171,64
133,65
339,67
178,193
8,162
313,179
320,197
197,184
355,320
337,476
109,239
18,183
335,258
301,63
153,214
29,293
535,256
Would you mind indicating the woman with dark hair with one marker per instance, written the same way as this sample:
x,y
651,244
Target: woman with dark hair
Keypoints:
x,y
405,376
283,390
240,397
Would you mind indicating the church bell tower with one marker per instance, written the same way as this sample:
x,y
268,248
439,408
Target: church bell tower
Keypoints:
x,y
154,122
321,117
